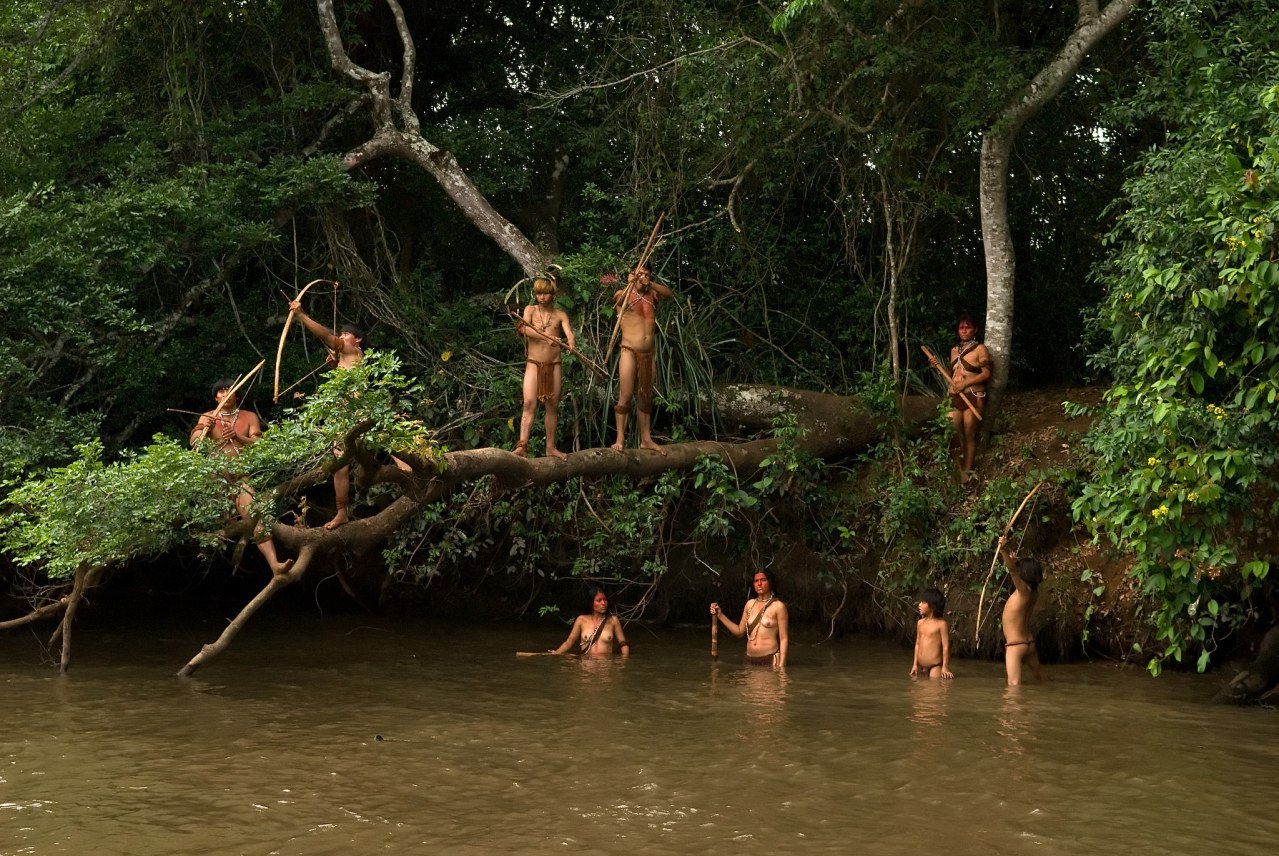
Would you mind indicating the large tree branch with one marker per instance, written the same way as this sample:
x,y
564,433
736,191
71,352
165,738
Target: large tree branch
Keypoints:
x,y
237,624
406,142
833,427
996,151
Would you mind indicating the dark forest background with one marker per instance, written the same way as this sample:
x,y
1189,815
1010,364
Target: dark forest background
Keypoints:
x,y
172,173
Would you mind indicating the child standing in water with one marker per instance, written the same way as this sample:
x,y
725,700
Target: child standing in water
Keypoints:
x,y
1019,641
932,637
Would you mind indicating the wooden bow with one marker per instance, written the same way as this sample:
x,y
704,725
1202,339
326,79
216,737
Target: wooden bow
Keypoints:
x,y
937,365
284,334
235,387
1007,528
630,284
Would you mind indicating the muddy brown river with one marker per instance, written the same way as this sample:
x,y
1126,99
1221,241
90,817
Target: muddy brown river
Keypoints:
x,y
360,735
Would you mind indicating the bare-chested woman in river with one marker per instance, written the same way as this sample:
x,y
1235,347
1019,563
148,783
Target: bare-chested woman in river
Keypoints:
x,y
765,624
598,633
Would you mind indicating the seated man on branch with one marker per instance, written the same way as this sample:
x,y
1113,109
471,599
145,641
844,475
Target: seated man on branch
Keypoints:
x,y
228,429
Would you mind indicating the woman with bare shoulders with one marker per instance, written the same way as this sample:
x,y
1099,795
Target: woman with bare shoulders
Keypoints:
x,y
970,369
598,633
765,624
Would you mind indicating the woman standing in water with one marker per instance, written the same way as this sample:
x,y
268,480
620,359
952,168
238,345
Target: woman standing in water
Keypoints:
x,y
765,624
599,633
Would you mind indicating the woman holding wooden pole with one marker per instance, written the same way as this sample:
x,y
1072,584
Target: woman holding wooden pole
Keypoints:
x,y
765,624
970,369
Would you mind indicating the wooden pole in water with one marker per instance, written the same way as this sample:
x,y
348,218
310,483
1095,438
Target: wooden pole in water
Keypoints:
x,y
714,637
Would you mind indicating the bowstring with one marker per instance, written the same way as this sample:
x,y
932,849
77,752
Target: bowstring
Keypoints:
x,y
333,299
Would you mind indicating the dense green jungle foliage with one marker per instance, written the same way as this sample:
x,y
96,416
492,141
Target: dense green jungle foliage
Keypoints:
x,y
172,175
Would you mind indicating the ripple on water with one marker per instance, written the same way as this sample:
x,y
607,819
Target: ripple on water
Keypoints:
x,y
276,749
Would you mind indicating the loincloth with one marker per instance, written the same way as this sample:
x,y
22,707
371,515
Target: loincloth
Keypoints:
x,y
766,660
545,378
645,377
978,398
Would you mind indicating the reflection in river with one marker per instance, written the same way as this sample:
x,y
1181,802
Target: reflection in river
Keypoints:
x,y
354,736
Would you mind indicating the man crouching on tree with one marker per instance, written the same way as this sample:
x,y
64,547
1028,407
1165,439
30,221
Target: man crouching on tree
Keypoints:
x,y
228,429
637,363
542,324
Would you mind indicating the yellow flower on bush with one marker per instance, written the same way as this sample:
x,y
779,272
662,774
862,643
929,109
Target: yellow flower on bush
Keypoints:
x,y
446,356
1161,511
1152,461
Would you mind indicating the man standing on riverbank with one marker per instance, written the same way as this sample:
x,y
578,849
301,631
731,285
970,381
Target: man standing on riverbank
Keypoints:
x,y
970,369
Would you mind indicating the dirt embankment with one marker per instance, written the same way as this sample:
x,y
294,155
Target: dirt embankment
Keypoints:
x,y
1089,603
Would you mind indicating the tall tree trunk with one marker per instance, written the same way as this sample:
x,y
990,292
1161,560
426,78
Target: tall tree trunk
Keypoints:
x,y
996,150
397,131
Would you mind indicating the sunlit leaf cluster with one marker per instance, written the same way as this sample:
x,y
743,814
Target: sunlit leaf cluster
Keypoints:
x,y
1190,329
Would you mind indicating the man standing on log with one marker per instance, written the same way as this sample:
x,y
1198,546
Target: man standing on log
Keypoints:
x,y
228,429
542,326
637,361
346,350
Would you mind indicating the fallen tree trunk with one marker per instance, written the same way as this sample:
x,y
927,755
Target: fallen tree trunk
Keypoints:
x,y
832,426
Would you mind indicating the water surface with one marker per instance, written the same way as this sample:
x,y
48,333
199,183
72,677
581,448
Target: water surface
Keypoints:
x,y
360,735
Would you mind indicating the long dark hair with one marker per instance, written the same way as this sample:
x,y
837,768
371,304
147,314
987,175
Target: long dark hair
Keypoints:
x,y
1031,571
936,601
590,600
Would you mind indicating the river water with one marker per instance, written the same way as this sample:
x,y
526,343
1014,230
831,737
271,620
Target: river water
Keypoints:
x,y
358,735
